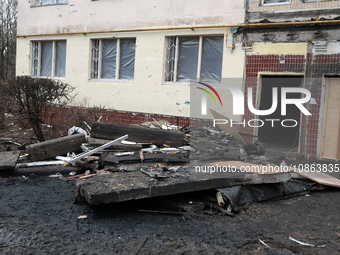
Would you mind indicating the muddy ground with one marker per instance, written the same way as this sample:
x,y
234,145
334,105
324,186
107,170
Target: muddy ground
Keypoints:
x,y
38,216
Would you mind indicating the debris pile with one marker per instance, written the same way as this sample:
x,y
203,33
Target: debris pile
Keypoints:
x,y
113,163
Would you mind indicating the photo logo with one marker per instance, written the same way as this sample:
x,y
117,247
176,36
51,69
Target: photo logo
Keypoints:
x,y
204,97
239,100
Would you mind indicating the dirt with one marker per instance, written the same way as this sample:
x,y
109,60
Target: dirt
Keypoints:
x,y
38,216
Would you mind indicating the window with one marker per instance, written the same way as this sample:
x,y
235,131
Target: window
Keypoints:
x,y
48,2
194,58
113,59
275,2
48,58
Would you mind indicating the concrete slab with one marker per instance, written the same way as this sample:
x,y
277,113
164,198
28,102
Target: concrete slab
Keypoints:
x,y
125,186
8,160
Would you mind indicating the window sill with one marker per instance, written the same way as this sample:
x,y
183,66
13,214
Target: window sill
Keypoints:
x,y
273,4
176,83
37,6
189,83
110,80
49,77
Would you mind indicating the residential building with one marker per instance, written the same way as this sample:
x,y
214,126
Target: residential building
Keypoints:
x,y
295,43
130,56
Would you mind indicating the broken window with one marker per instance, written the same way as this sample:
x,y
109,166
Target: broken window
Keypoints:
x,y
268,2
194,58
113,59
49,2
48,58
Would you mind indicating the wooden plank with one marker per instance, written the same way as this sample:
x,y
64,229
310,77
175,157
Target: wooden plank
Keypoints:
x,y
56,147
8,160
118,187
338,154
319,177
330,141
137,134
227,128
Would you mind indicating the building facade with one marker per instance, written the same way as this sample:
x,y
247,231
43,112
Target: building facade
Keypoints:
x,y
130,55
138,58
294,43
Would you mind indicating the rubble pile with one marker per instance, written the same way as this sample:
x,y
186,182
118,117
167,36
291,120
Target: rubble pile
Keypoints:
x,y
114,163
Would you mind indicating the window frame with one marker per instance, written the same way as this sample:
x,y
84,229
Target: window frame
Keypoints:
x,y
35,3
99,59
279,3
199,62
38,58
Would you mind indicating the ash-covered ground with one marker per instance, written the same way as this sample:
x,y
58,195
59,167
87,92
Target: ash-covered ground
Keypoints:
x,y
38,216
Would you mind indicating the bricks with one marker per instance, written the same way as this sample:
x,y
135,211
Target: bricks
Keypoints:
x,y
314,68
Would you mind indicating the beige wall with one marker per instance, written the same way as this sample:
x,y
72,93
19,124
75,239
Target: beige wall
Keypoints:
x,y
108,15
147,92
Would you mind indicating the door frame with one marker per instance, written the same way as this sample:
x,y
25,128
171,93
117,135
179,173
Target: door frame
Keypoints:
x,y
259,90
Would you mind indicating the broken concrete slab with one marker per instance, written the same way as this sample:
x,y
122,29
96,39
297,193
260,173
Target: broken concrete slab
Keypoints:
x,y
254,168
137,134
8,159
126,186
108,158
117,147
45,170
80,156
56,147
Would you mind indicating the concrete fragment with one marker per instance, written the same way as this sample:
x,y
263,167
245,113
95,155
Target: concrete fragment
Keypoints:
x,y
126,186
8,160
56,147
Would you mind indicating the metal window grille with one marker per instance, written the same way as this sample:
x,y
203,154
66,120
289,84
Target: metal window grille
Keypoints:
x,y
170,60
35,58
95,59
48,58
193,58
113,59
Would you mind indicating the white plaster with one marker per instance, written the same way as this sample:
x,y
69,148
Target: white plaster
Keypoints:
x,y
108,15
147,92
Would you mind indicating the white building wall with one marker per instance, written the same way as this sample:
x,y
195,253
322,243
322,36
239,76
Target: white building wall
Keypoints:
x,y
106,15
147,92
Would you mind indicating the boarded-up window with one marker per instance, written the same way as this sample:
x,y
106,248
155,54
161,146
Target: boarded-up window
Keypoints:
x,y
113,59
194,58
48,58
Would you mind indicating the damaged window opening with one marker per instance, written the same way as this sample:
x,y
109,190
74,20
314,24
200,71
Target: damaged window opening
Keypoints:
x,y
275,2
194,58
113,59
48,2
48,58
